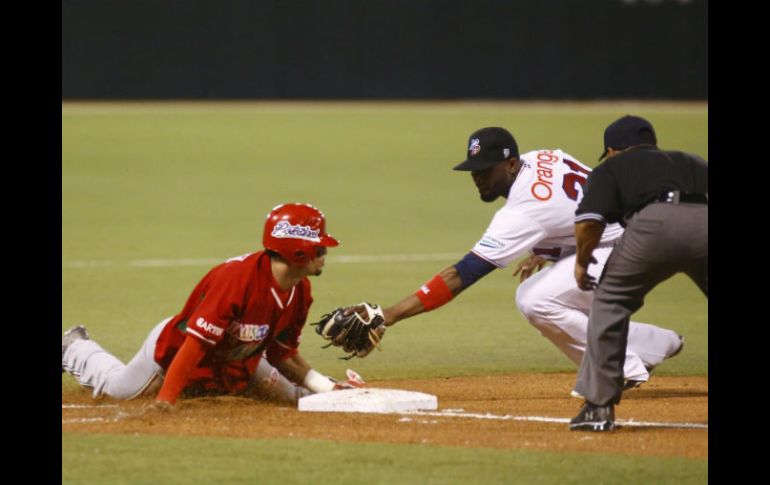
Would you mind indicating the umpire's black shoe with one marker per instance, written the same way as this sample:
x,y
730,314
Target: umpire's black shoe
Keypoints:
x,y
75,333
594,418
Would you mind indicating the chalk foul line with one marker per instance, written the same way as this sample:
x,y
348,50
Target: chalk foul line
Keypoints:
x,y
546,419
86,406
449,413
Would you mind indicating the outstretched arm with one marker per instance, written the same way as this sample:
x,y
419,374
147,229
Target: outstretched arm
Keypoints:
x,y
447,284
411,304
296,369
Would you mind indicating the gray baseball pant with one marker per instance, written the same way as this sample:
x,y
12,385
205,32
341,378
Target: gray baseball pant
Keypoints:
x,y
93,366
661,240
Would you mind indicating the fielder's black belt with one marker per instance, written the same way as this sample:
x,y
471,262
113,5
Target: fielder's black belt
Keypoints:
x,y
678,197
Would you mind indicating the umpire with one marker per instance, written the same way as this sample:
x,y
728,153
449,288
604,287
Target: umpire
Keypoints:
x,y
661,197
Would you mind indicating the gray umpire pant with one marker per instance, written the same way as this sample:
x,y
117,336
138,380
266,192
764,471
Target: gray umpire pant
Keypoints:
x,y
660,240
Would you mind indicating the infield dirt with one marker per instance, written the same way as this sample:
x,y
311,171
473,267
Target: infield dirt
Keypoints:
x,y
663,399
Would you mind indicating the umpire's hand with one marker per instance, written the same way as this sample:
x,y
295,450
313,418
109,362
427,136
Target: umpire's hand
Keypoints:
x,y
585,281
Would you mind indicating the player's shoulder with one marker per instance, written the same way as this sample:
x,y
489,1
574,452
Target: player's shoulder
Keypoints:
x,y
246,259
533,154
542,152
543,156
243,263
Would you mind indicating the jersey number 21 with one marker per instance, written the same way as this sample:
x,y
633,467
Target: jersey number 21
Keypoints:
x,y
572,179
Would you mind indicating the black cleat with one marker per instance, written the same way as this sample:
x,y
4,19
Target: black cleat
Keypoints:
x,y
75,333
632,384
594,418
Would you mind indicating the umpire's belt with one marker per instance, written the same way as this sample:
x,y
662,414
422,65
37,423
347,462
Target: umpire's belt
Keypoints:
x,y
679,197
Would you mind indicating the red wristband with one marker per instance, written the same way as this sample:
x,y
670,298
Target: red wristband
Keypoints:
x,y
434,293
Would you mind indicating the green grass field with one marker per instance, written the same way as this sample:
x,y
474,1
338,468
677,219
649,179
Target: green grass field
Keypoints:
x,y
167,460
154,194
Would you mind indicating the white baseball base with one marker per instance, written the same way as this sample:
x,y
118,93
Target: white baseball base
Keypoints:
x,y
368,400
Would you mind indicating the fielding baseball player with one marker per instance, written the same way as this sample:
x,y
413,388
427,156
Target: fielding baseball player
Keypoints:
x,y
241,322
542,188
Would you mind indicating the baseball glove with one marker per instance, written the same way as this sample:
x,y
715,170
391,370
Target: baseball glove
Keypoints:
x,y
357,329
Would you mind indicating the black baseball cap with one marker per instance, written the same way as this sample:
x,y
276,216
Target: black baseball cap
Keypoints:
x,y
627,132
488,147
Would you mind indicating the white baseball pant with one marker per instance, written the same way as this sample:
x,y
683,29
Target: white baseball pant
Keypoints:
x,y
551,301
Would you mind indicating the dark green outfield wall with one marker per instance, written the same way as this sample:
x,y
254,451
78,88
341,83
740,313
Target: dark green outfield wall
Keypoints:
x,y
408,49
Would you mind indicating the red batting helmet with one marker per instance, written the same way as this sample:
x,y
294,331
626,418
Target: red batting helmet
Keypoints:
x,y
295,231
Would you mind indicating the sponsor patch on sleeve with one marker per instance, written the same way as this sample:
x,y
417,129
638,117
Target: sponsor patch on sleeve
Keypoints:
x,y
209,328
490,242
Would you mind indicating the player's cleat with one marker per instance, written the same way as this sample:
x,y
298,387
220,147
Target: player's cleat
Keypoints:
x,y
75,333
594,418
632,384
576,394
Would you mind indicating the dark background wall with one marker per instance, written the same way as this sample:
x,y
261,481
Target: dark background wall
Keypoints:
x,y
408,49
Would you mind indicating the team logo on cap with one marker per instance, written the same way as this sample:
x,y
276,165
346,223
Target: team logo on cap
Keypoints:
x,y
474,148
285,229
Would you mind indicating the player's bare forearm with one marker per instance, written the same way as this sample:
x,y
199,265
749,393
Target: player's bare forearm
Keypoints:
x,y
411,305
408,307
587,236
294,368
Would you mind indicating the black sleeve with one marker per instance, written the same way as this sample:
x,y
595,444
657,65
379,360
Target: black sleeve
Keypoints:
x,y
601,197
471,268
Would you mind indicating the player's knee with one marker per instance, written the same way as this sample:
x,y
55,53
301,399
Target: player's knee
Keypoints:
x,y
532,308
125,384
119,390
541,313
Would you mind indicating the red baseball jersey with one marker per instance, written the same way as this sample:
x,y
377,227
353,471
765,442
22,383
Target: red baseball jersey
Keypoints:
x,y
239,311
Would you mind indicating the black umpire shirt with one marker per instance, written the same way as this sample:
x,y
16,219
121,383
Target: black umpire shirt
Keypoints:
x,y
630,180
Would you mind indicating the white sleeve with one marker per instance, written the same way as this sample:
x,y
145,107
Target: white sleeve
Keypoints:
x,y
509,235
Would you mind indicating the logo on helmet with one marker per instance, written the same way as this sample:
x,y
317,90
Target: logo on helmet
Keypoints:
x,y
287,230
474,148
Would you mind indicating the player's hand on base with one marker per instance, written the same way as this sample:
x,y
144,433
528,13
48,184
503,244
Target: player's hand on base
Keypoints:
x,y
529,266
354,381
